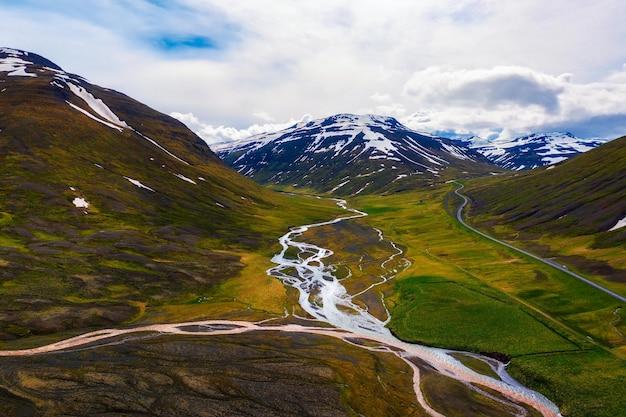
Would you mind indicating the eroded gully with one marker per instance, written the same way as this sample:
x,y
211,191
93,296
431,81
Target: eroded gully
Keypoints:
x,y
324,298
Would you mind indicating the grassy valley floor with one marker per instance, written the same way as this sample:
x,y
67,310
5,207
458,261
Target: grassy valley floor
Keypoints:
x,y
464,292
450,288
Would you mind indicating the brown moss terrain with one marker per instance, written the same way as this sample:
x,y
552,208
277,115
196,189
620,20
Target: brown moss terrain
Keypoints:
x,y
252,374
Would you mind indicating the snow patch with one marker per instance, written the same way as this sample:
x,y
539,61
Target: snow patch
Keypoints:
x,y
96,105
553,159
159,146
56,84
11,51
139,184
80,203
86,113
182,177
339,186
456,152
16,67
21,72
618,225
363,188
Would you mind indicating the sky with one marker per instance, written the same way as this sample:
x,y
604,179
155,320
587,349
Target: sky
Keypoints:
x,y
233,68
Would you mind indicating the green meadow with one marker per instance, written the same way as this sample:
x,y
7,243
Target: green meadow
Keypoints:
x,y
108,270
465,292
460,291
478,321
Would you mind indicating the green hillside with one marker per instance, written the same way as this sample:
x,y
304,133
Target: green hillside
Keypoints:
x,y
101,223
565,211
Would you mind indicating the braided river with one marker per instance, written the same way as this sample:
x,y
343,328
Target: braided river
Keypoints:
x,y
325,299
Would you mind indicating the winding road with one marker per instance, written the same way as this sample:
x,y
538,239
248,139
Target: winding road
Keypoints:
x,y
459,216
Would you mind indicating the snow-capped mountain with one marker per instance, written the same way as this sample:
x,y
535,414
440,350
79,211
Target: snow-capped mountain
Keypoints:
x,y
532,151
350,154
15,62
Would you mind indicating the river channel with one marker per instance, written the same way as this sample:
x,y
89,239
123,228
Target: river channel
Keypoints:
x,y
323,296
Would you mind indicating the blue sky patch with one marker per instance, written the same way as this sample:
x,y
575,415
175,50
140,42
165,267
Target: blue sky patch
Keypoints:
x,y
174,43
161,3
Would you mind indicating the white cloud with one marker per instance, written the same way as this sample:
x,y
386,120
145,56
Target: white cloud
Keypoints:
x,y
382,98
511,100
264,116
461,65
500,86
212,134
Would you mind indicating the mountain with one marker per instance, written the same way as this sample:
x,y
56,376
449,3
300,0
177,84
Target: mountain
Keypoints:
x,y
582,199
113,215
350,154
532,151
102,200
64,138
108,206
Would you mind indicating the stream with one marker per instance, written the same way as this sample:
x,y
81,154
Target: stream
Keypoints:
x,y
326,300
323,297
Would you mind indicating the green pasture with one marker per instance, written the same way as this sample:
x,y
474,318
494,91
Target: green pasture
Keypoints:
x,y
465,292
588,383
476,321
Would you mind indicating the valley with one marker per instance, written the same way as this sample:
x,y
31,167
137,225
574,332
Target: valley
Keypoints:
x,y
453,293
322,296
462,291
142,275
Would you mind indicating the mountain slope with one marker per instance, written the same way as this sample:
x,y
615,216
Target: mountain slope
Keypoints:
x,y
109,207
532,151
59,124
349,154
582,198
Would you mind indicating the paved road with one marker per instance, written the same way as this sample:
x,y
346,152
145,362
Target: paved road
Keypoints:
x,y
459,216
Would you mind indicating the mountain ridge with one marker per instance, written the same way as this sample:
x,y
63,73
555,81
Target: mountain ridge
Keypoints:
x,y
349,154
49,97
532,151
